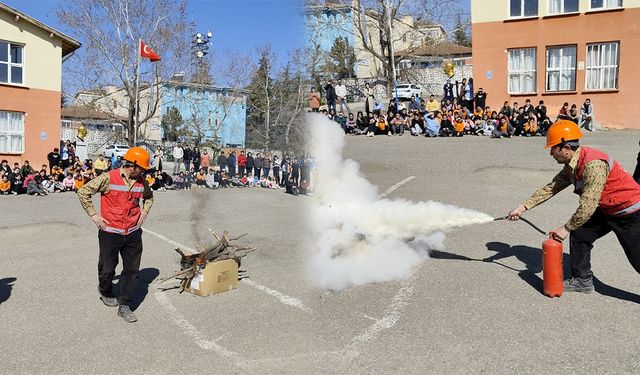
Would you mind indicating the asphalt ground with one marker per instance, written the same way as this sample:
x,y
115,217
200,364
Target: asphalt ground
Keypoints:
x,y
475,307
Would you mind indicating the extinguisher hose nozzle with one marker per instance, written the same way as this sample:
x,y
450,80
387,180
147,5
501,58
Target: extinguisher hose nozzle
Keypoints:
x,y
526,221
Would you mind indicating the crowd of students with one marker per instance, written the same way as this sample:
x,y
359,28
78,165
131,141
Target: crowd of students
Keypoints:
x,y
291,175
460,112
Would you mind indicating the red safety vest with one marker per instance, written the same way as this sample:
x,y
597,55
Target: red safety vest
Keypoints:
x,y
120,205
621,194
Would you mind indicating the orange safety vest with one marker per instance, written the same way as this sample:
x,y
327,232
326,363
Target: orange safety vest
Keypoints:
x,y
621,194
120,205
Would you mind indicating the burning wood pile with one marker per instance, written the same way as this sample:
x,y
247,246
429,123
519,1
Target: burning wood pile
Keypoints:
x,y
191,264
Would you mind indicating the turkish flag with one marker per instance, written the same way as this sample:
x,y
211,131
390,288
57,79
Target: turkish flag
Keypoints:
x,y
147,52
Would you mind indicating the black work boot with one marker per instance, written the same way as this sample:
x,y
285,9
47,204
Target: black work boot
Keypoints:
x,y
125,313
108,301
576,284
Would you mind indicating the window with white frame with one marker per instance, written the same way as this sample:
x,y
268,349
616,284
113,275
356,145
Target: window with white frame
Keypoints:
x,y
523,8
561,68
11,63
522,71
602,66
606,4
11,132
563,6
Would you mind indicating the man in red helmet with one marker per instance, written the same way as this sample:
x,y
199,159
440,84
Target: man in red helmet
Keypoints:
x,y
119,226
609,201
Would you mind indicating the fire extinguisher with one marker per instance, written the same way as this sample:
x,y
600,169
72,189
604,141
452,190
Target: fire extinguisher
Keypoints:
x,y
552,268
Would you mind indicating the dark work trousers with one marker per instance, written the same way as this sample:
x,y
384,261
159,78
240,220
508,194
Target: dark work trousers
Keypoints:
x,y
241,170
276,175
256,172
285,178
130,249
232,170
626,228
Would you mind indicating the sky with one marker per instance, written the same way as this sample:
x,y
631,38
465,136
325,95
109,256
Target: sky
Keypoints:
x,y
241,25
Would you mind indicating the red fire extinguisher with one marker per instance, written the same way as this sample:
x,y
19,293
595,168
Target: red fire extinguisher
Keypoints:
x,y
552,268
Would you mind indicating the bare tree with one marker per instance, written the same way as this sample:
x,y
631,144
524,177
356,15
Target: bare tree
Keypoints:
x,y
378,24
110,31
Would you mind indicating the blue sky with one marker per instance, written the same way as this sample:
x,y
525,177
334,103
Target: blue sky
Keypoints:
x,y
236,24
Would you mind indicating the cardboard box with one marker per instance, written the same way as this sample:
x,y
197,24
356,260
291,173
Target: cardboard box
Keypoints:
x,y
216,277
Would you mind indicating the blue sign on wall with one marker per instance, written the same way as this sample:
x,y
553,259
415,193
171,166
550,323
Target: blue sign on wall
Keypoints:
x,y
489,74
43,136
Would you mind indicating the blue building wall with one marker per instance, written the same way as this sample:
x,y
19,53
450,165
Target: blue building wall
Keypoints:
x,y
208,104
324,24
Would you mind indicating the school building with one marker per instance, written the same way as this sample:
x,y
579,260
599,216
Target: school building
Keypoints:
x,y
560,51
31,55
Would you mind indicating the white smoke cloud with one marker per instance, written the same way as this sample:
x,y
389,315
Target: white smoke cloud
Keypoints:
x,y
358,238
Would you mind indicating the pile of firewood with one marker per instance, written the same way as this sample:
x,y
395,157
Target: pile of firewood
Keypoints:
x,y
223,249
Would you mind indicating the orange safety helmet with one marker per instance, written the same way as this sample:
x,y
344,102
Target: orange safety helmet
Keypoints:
x,y
562,131
138,156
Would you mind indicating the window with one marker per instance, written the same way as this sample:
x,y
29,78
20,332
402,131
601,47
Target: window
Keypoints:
x,y
606,4
561,68
563,6
523,8
522,71
602,66
11,64
11,132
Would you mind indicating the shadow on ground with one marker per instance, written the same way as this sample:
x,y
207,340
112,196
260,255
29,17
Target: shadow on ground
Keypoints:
x,y
145,278
531,257
5,288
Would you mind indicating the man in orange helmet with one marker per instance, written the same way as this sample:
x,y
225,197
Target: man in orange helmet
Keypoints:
x,y
119,226
609,201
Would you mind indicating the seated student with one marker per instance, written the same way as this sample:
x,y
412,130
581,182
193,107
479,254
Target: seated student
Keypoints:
x,y
531,126
235,181
244,180
179,181
189,179
210,179
5,185
518,121
272,184
341,120
432,127
35,186
158,183
263,182
200,179
373,123
503,129
563,112
17,185
397,125
469,126
167,181
573,114
290,187
446,125
68,182
350,124
79,181
48,184
478,113
382,127
458,127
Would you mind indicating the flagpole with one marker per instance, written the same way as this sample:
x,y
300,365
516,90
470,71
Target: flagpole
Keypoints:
x,y
137,95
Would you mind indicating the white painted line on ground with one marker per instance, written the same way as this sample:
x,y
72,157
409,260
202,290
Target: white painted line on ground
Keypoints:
x,y
395,187
283,298
398,302
391,316
165,239
291,301
191,331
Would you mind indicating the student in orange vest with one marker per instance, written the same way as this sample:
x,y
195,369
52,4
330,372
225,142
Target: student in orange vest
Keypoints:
x,y
119,223
609,201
